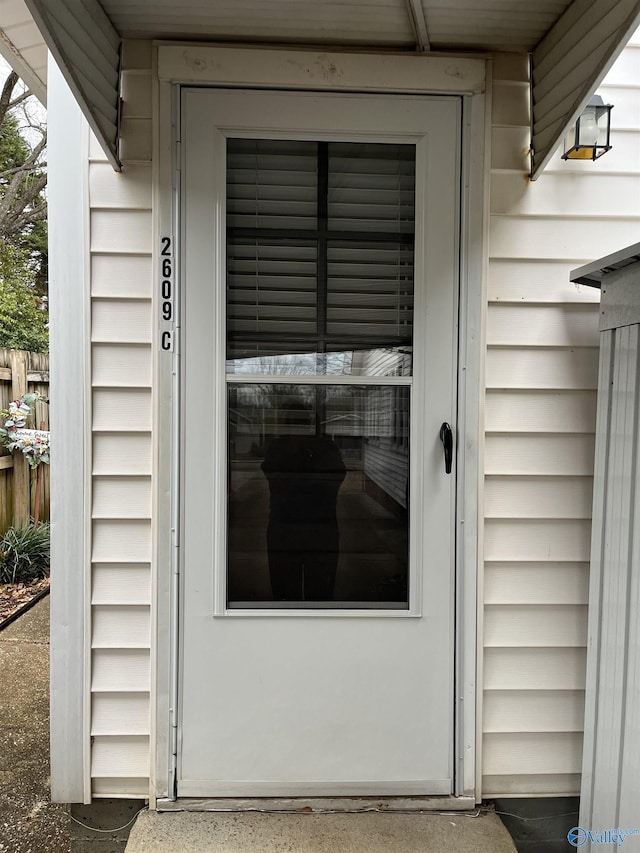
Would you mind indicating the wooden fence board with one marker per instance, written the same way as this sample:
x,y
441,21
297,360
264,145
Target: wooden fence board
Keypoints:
x,y
22,372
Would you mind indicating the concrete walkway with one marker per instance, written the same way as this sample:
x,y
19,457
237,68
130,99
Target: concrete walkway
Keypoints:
x,y
248,832
29,822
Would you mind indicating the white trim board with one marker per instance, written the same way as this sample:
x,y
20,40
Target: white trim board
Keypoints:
x,y
70,611
299,69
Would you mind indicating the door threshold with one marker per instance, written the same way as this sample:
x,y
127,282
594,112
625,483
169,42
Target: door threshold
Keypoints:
x,y
317,805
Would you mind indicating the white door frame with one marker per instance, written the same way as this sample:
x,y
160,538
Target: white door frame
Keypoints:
x,y
303,70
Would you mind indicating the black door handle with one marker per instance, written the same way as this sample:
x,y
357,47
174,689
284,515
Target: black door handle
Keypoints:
x,y
446,437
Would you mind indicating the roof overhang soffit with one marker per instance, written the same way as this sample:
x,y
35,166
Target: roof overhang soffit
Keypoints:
x,y
33,71
568,66
86,46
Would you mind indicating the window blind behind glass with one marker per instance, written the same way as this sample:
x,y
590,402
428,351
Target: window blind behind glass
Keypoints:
x,y
319,246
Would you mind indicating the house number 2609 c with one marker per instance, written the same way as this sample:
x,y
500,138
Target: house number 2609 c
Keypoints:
x,y
166,294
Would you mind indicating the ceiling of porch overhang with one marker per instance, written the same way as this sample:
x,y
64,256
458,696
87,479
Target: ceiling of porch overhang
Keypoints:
x,y
572,42
513,25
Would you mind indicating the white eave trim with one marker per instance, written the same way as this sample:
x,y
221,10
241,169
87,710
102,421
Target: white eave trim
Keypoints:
x,y
75,54
590,83
592,274
22,68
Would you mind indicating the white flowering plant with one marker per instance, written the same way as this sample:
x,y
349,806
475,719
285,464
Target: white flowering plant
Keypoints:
x,y
33,443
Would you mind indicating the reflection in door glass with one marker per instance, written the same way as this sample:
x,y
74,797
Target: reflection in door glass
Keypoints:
x,y
318,496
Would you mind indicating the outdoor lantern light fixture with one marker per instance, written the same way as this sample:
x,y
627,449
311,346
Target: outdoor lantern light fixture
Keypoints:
x,y
588,139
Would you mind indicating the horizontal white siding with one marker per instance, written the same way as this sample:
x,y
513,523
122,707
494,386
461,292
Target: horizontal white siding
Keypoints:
x,y
532,710
129,753
542,752
121,788
121,497
539,325
529,785
510,453
121,364
121,322
120,670
122,453
121,541
121,375
544,497
122,410
121,231
558,368
540,411
531,668
541,380
121,583
533,625
122,276
537,539
120,626
120,713
536,583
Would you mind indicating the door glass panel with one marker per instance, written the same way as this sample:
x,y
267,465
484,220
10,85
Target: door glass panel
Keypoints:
x,y
320,248
318,495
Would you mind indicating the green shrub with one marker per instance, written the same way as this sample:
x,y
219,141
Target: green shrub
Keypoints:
x,y
24,554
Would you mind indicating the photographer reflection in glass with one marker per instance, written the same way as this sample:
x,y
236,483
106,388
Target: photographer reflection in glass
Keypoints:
x,y
305,473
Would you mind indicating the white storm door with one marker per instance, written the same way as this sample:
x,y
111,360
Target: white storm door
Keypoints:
x,y
319,280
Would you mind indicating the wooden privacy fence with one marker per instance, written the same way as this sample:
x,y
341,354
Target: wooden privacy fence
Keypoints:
x,y
22,372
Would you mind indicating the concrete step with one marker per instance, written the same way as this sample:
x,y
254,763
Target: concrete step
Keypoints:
x,y
373,832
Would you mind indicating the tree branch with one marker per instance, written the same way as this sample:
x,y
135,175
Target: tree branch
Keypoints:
x,y
36,214
7,90
14,212
8,172
23,97
23,182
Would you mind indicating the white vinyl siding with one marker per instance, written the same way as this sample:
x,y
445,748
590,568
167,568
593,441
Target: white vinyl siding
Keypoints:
x,y
124,713
540,417
541,380
121,376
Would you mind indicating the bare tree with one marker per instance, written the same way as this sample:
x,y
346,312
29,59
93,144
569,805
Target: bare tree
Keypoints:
x,y
22,175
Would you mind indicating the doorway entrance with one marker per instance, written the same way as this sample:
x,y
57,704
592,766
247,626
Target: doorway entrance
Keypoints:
x,y
320,281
